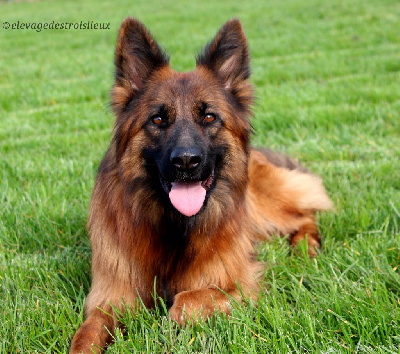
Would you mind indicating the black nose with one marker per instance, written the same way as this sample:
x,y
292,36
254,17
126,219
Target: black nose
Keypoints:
x,y
186,158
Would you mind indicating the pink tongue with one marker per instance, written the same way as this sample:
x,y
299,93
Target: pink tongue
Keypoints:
x,y
187,198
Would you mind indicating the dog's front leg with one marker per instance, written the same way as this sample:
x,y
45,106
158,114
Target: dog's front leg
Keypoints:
x,y
201,303
94,333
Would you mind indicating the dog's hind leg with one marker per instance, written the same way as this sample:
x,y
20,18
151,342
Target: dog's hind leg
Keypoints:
x,y
285,201
308,231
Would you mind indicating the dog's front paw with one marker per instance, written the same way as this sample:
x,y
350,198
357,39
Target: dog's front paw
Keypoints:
x,y
187,306
191,305
176,312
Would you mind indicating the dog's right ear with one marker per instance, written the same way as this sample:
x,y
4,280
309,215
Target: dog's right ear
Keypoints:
x,y
137,55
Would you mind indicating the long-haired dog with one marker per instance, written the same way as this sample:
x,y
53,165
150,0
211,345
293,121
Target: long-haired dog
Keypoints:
x,y
181,199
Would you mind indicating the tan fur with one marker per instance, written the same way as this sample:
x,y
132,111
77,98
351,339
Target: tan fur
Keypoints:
x,y
256,195
284,201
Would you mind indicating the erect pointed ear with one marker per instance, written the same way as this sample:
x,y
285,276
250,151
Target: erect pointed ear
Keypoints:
x,y
227,55
137,55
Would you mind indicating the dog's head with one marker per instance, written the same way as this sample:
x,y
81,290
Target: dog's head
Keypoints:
x,y
183,130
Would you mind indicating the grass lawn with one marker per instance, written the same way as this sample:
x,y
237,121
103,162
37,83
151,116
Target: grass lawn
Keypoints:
x,y
327,80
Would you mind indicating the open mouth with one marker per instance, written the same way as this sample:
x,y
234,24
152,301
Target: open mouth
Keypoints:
x,y
188,196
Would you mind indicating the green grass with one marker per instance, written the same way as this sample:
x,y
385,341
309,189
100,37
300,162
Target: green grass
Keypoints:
x,y
327,80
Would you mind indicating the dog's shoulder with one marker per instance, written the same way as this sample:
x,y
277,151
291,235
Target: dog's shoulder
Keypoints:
x,y
276,158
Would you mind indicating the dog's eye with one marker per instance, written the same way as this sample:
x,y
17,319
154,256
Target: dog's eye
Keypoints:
x,y
209,117
157,120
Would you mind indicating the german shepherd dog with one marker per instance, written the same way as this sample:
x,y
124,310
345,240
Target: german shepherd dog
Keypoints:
x,y
181,199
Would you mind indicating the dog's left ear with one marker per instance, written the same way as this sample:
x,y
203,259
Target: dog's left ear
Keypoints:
x,y
227,55
137,55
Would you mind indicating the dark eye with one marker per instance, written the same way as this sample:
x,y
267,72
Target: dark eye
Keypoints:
x,y
157,120
209,117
